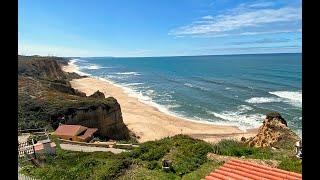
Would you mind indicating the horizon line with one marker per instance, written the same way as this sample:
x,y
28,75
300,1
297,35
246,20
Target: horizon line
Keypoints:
x,y
162,56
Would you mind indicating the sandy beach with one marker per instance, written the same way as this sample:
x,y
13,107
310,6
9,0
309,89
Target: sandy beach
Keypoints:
x,y
148,122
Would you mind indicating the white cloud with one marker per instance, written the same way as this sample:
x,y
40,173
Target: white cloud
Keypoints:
x,y
261,4
246,18
207,17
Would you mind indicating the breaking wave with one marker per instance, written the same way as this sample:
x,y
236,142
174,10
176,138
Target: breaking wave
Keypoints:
x,y
128,73
293,98
240,117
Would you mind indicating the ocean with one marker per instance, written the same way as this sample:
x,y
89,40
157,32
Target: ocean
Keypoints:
x,y
234,90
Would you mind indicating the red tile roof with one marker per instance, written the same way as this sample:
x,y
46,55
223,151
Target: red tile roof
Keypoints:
x,y
69,130
89,132
241,170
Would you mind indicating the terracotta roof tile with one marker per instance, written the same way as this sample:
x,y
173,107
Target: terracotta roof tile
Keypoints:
x,y
69,130
211,178
244,170
89,132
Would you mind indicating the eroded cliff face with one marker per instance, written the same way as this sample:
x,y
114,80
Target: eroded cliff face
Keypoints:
x,y
45,95
108,119
274,132
40,67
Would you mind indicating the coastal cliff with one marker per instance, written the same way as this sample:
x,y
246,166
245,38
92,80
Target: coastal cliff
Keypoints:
x,y
108,119
275,133
45,96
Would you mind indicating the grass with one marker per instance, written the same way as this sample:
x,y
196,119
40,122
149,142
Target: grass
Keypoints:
x,y
138,173
291,164
239,149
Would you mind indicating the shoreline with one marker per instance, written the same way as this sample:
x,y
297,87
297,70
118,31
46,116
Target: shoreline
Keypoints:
x,y
150,123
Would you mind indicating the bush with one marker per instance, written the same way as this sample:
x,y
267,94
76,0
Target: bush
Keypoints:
x,y
238,149
153,165
291,164
189,154
152,150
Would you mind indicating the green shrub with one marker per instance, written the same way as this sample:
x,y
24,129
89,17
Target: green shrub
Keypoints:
x,y
238,149
153,165
291,164
152,150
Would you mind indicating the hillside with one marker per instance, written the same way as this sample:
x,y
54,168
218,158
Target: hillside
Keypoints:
x,y
46,98
191,159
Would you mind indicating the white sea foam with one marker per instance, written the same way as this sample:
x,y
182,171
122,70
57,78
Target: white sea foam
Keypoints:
x,y
293,98
244,108
132,84
198,87
128,73
173,106
77,68
240,118
94,67
258,100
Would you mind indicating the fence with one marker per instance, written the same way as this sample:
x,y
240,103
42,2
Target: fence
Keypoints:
x,y
32,130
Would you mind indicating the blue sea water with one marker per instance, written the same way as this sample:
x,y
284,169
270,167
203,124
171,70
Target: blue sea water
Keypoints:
x,y
226,89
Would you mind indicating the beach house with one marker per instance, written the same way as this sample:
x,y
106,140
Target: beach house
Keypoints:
x,y
75,132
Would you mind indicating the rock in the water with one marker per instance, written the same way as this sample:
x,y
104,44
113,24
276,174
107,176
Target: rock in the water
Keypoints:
x,y
98,95
274,133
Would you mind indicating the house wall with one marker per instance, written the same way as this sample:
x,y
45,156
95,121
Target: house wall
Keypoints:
x,y
73,138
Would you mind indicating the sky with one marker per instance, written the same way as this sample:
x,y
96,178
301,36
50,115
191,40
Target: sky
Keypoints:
x,y
137,28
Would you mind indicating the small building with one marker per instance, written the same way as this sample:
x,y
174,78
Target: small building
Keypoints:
x,y
45,148
75,132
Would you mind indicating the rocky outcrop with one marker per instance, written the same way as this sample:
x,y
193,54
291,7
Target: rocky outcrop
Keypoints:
x,y
65,87
274,132
108,119
98,95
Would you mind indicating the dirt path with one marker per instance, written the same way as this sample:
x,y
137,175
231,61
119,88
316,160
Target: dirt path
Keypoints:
x,y
72,147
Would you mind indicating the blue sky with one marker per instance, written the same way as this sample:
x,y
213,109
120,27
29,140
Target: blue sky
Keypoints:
x,y
158,27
